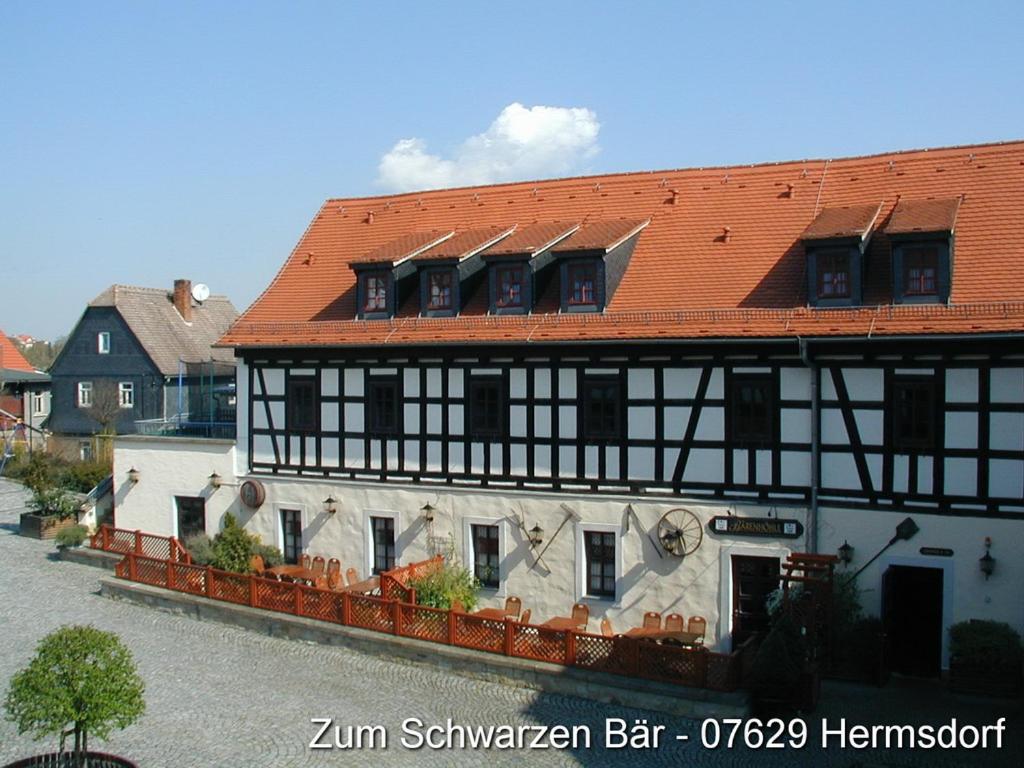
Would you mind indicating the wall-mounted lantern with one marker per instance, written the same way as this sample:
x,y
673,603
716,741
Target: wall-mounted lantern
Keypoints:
x,y
428,510
133,475
986,562
536,535
330,505
846,553
215,480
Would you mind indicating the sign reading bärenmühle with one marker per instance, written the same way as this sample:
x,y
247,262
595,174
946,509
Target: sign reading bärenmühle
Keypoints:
x,y
767,527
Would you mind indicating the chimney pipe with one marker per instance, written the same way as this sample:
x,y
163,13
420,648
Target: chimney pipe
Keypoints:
x,y
183,299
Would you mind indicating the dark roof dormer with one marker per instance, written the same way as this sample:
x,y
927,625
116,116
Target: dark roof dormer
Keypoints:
x,y
922,235
385,276
592,262
517,265
449,270
835,243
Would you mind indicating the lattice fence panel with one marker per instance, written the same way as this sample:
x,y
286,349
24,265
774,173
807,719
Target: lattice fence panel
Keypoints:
x,y
371,613
275,596
425,623
190,578
616,655
151,571
121,541
722,671
230,587
481,634
672,665
321,604
155,546
121,569
538,643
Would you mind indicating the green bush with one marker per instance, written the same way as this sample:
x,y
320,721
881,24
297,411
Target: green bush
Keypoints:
x,y
74,536
779,662
448,583
83,476
200,548
233,547
271,555
55,501
985,644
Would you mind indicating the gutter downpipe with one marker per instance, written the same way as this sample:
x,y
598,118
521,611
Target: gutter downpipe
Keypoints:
x,y
812,527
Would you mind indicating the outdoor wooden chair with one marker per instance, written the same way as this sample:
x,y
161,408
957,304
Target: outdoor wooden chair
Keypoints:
x,y
674,622
581,614
333,566
652,620
525,617
698,625
319,564
513,605
334,580
606,627
352,575
256,564
320,582
304,561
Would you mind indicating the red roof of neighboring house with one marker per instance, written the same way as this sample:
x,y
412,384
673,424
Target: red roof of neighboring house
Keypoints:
x,y
722,256
11,358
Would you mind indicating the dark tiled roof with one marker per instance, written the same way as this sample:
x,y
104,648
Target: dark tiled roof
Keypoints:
x,y
911,216
163,333
844,221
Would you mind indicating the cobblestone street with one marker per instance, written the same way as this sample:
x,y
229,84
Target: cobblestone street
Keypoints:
x,y
220,696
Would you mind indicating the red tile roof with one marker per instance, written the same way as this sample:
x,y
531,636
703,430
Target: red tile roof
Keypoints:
x,y
684,279
532,239
601,235
11,358
923,216
464,244
845,221
398,250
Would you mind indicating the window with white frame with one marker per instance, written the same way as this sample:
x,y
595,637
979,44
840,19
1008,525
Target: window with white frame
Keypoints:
x,y
85,394
598,560
38,403
126,394
103,342
85,450
486,555
382,537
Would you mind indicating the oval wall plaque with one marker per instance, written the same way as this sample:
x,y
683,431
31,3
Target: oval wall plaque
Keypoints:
x,y
252,493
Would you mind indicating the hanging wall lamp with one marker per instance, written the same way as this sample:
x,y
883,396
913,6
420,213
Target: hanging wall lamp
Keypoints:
x,y
330,505
845,553
133,475
986,562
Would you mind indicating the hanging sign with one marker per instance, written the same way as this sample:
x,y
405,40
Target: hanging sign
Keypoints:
x,y
763,527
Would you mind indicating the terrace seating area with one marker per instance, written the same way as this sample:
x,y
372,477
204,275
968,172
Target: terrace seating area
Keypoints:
x,y
316,571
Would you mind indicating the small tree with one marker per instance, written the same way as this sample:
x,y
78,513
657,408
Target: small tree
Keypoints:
x,y
82,682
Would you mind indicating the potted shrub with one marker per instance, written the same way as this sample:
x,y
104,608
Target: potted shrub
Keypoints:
x,y
53,510
71,537
443,586
984,657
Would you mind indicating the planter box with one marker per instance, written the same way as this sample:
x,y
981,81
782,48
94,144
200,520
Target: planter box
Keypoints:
x,y
1005,682
38,526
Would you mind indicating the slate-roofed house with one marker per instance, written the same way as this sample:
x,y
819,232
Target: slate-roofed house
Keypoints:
x,y
145,355
24,397
792,356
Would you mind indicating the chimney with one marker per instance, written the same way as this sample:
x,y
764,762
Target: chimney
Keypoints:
x,y
183,299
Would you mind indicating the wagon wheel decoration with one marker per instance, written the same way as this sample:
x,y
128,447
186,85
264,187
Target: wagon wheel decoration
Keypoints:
x,y
680,532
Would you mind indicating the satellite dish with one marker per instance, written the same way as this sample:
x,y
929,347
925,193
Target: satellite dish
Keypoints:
x,y
200,292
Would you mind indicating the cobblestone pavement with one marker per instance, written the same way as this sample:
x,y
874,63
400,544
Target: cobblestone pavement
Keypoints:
x,y
220,696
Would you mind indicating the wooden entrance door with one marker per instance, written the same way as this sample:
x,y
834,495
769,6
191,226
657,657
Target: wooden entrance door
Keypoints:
x,y
753,579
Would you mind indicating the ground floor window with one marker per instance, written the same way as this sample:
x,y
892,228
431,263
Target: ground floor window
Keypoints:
x,y
486,555
383,531
291,535
191,512
85,450
599,548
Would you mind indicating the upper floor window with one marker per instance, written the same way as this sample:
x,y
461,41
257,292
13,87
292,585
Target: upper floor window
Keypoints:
x,y
920,268
602,408
103,342
486,555
439,290
509,293
486,407
582,284
834,274
85,394
375,292
750,409
382,404
599,550
913,414
126,394
302,408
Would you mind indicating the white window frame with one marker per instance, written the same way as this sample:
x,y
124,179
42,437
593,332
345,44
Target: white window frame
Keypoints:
x,y
581,529
191,494
368,538
84,387
39,404
103,343
278,506
126,394
85,447
469,556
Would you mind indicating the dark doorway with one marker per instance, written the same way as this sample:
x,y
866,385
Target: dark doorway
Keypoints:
x,y
191,516
912,614
753,579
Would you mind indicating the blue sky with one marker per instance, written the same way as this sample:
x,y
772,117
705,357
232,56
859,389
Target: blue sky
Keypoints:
x,y
144,142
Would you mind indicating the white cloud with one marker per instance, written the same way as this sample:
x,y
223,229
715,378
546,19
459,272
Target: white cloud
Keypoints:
x,y
522,143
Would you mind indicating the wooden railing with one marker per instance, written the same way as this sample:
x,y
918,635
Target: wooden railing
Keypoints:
x,y
394,584
698,668
121,540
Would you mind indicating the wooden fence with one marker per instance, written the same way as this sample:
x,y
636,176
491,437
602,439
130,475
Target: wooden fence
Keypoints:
x,y
394,584
123,541
698,668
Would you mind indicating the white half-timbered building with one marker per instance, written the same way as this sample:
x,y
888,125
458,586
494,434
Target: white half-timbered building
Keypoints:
x,y
667,380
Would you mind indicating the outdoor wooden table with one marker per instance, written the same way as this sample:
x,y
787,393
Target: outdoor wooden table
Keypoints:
x,y
498,614
684,638
295,572
366,586
562,622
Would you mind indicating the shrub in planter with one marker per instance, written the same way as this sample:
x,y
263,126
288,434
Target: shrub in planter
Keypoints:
x,y
448,583
72,537
55,502
271,555
200,548
985,657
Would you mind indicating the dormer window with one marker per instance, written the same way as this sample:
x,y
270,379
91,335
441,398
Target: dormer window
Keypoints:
x,y
439,290
592,262
921,232
375,292
920,267
582,284
509,289
834,274
835,243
